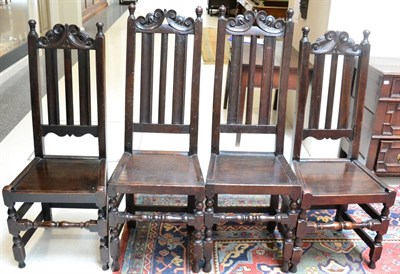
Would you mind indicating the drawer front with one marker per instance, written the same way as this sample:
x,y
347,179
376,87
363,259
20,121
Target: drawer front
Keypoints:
x,y
390,87
388,160
391,121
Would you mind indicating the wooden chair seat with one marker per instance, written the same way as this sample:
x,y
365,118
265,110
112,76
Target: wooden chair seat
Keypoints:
x,y
332,179
61,176
173,171
256,170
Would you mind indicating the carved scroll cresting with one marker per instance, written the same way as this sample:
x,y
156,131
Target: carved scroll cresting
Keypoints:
x,y
337,42
179,22
151,21
66,36
241,22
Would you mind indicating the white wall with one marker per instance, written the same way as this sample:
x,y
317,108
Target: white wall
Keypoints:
x,y
380,17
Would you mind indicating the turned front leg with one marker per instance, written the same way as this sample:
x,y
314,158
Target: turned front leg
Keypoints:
x,y
208,242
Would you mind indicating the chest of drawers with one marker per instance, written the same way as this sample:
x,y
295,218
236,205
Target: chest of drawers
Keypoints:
x,y
380,137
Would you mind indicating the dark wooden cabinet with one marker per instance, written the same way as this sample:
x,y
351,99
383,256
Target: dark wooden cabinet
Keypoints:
x,y
215,4
380,137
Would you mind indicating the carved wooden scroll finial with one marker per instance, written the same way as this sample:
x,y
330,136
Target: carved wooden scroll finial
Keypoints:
x,y
132,8
199,12
100,26
289,14
222,11
366,34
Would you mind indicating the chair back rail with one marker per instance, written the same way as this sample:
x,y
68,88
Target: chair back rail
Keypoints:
x,y
147,28
252,27
351,60
59,45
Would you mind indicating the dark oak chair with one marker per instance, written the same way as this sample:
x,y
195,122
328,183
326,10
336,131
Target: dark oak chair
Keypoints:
x,y
154,171
260,172
335,183
62,181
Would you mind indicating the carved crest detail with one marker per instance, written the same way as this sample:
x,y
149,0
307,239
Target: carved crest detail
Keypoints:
x,y
68,36
241,22
151,21
179,22
269,24
337,42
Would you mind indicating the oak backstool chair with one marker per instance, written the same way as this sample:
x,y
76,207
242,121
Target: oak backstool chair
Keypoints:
x,y
260,172
63,181
336,183
154,170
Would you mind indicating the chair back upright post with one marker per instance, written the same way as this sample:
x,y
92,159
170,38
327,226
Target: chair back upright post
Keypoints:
x,y
148,27
60,46
351,92
258,27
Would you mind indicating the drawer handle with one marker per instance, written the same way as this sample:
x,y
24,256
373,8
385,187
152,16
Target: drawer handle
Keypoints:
x,y
398,158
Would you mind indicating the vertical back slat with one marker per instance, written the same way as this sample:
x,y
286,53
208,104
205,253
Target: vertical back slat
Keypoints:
x,y
347,77
267,78
250,86
236,72
146,80
52,86
84,87
315,103
331,91
163,78
178,101
69,99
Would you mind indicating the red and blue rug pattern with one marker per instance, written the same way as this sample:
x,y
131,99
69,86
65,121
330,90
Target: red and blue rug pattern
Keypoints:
x,y
162,248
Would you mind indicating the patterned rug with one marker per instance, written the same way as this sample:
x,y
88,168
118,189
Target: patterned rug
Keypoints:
x,y
162,248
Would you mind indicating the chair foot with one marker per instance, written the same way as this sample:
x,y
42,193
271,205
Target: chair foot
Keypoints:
x,y
115,266
105,267
285,266
21,265
293,268
372,265
207,266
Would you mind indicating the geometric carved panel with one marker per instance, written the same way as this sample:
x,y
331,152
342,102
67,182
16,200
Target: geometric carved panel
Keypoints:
x,y
391,123
388,159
